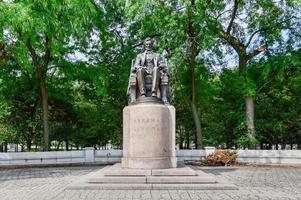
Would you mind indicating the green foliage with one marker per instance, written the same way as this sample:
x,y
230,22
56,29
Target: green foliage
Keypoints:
x,y
247,140
86,95
7,132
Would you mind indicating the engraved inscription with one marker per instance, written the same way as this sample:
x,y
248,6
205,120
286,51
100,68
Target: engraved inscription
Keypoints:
x,y
149,125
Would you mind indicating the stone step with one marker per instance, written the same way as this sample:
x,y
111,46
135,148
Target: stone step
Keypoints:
x,y
127,172
117,170
185,171
180,179
153,187
194,187
154,179
140,172
118,179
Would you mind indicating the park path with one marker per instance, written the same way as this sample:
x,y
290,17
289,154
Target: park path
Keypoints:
x,y
49,184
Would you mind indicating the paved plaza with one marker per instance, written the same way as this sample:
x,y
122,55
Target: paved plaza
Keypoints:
x,y
50,183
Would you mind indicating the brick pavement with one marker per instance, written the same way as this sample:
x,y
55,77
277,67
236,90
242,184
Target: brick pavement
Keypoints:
x,y
49,183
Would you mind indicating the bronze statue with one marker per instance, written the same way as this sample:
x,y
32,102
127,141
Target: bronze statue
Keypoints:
x,y
149,76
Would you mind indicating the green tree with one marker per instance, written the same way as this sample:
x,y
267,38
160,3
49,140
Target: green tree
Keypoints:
x,y
43,32
249,27
278,99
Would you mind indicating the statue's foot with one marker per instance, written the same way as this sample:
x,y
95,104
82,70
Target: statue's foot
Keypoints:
x,y
165,101
143,94
154,94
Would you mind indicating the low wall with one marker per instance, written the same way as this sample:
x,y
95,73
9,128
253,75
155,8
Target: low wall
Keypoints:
x,y
91,156
23,158
269,156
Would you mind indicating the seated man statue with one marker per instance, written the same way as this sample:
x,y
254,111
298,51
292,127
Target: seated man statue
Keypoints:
x,y
149,76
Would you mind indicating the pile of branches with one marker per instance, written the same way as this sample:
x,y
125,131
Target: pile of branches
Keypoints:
x,y
221,158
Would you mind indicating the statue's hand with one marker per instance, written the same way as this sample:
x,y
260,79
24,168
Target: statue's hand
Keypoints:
x,y
162,67
162,63
142,67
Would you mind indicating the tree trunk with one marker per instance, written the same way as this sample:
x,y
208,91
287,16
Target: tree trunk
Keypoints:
x,y
227,145
5,147
198,137
250,114
67,145
44,97
28,145
181,142
41,72
187,143
192,57
283,145
249,100
58,146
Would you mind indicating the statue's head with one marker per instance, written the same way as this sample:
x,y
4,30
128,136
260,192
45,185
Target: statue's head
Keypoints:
x,y
148,43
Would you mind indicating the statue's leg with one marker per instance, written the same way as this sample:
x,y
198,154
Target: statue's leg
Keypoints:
x,y
156,80
132,87
164,85
141,82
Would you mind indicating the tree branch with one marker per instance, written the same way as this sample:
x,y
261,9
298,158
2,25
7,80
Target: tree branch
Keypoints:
x,y
5,54
256,52
233,16
251,37
220,14
235,43
47,56
51,76
266,83
266,28
120,38
33,54
1,49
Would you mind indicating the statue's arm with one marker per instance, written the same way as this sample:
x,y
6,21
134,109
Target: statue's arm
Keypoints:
x,y
137,63
163,64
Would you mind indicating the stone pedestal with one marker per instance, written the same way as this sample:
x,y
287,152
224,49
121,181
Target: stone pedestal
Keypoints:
x,y
149,137
149,157
181,178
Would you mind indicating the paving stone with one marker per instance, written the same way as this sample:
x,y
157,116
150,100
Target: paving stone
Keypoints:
x,y
50,183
